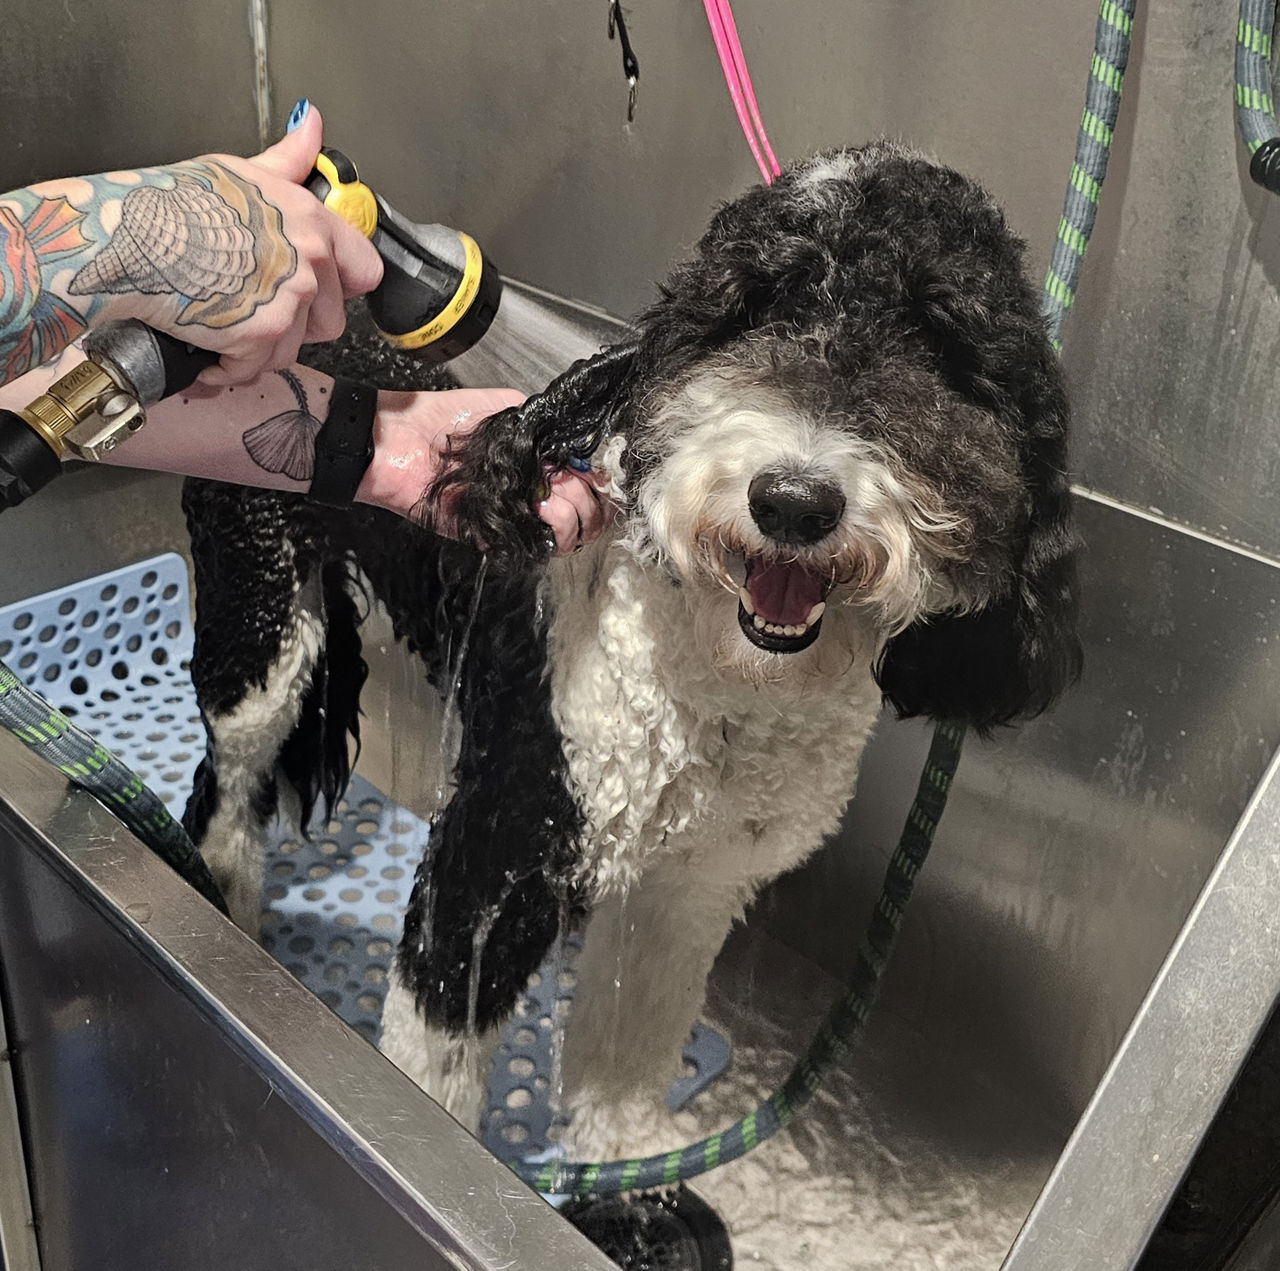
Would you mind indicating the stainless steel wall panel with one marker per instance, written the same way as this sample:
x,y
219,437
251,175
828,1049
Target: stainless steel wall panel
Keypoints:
x,y
1172,347
86,523
510,120
87,85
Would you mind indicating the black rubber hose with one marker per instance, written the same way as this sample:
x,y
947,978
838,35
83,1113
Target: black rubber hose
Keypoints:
x,y
27,463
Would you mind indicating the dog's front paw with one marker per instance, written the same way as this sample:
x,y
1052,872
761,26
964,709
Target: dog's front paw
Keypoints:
x,y
626,1129
450,1067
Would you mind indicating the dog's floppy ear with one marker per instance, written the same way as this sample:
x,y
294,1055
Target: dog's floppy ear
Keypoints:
x,y
489,479
1011,657
1008,660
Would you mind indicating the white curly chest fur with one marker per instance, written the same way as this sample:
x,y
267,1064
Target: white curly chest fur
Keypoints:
x,y
669,757
697,786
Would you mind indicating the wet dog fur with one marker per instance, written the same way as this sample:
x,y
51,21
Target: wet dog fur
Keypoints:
x,y
837,441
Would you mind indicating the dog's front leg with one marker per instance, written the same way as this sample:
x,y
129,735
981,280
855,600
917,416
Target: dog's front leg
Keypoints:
x,y
451,1066
641,983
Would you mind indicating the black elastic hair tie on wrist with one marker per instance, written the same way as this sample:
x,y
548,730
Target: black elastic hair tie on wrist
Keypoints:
x,y
344,444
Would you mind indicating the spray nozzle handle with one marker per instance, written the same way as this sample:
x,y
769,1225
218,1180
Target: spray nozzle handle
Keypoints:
x,y
336,183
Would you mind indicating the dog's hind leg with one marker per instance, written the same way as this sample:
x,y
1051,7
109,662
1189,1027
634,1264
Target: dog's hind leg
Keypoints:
x,y
236,791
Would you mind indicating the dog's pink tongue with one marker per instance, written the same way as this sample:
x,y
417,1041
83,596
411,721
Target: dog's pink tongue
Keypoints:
x,y
784,593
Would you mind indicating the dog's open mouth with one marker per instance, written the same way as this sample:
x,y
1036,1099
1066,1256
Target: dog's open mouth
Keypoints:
x,y
780,605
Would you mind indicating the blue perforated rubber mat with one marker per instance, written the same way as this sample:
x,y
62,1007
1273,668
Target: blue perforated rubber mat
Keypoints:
x,y
113,653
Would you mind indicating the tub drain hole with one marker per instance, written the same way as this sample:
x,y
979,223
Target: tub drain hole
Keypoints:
x,y
647,1233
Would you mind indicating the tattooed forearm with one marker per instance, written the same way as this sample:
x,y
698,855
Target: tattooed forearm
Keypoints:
x,y
197,235
37,239
286,443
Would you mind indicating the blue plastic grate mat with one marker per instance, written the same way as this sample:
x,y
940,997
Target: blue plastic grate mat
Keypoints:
x,y
113,653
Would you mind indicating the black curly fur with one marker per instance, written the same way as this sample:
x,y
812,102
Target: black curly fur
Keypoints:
x,y
502,849
488,482
316,757
245,583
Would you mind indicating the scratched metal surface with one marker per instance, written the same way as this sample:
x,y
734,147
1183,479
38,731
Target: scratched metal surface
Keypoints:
x,y
189,1105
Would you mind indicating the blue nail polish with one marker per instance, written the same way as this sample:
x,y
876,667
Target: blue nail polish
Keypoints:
x,y
579,464
298,113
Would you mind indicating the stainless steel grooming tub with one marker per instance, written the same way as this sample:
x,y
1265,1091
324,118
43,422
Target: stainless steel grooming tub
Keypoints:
x,y
178,1101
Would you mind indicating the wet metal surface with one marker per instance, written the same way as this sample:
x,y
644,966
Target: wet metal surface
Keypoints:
x,y
1174,1067
907,1160
188,1104
1073,848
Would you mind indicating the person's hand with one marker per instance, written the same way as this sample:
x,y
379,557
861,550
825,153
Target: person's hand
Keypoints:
x,y
236,256
575,508
411,432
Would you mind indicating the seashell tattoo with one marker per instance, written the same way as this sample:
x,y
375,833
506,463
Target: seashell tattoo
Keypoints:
x,y
184,240
207,239
286,443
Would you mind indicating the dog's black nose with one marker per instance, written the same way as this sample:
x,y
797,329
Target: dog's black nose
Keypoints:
x,y
794,508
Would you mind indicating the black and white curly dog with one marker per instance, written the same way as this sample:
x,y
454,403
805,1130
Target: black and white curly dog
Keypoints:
x,y
838,444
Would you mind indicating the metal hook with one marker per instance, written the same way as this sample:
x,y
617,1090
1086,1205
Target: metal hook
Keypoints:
x,y
630,63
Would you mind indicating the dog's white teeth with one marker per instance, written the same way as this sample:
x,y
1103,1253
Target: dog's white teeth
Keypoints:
x,y
745,597
760,623
815,613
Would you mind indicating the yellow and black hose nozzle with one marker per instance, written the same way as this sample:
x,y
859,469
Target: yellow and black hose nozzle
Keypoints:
x,y
438,293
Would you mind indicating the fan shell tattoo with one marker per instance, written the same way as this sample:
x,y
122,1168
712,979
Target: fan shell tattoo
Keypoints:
x,y
286,443
210,239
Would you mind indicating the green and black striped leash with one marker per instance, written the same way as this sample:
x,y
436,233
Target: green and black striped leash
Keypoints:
x,y
1089,169
87,763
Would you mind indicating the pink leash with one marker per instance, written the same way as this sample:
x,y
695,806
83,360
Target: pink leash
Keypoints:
x,y
724,31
